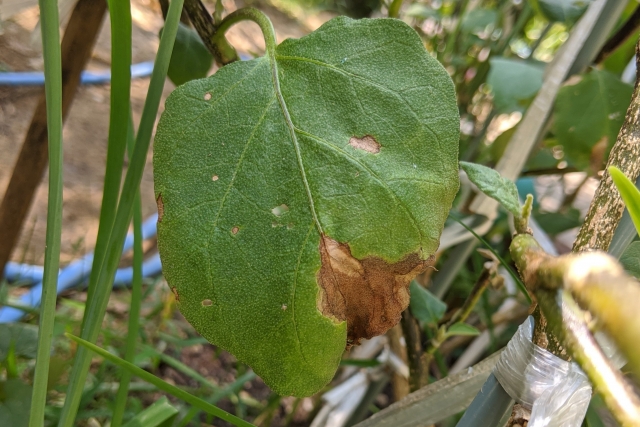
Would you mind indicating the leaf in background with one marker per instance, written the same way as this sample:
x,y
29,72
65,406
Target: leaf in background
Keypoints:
x,y
425,306
556,222
422,11
630,259
461,329
588,117
629,193
567,11
513,82
293,190
24,337
477,20
15,403
190,58
493,185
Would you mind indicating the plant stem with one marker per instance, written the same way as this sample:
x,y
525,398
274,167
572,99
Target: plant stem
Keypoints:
x,y
418,374
53,89
394,8
204,24
249,14
607,206
96,307
588,277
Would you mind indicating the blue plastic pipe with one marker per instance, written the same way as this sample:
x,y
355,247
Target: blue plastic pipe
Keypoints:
x,y
36,78
75,274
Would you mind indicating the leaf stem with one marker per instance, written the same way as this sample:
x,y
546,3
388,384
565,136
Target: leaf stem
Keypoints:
x,y
249,14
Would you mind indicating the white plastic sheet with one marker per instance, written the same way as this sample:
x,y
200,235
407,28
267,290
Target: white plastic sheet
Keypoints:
x,y
557,392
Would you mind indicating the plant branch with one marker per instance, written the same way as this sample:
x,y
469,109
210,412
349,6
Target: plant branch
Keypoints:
x,y
621,36
418,373
204,24
587,277
607,206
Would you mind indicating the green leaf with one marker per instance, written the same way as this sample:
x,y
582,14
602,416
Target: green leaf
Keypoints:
x,y
24,337
556,222
422,11
461,329
629,193
478,20
15,401
425,306
513,82
493,185
630,259
591,113
354,129
160,414
567,11
190,58
362,363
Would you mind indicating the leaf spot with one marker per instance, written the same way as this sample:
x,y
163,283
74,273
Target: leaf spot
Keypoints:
x,y
207,96
175,293
370,294
366,143
160,207
206,302
290,226
235,230
284,307
280,210
214,178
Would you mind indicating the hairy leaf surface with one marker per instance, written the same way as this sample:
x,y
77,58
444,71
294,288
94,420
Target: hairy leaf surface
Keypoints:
x,y
299,195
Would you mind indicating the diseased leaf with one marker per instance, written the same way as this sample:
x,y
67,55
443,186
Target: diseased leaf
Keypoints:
x,y
629,193
352,134
493,185
588,117
567,11
513,82
630,259
190,58
461,329
425,306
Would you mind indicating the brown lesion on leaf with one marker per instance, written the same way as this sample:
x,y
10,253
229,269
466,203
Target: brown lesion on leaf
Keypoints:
x,y
175,293
367,143
370,294
160,207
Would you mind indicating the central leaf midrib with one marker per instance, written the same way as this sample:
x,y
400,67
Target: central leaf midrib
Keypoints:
x,y
294,138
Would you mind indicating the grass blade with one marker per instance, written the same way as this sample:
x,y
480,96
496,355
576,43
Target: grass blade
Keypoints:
x,y
136,300
162,385
159,414
53,93
120,18
97,305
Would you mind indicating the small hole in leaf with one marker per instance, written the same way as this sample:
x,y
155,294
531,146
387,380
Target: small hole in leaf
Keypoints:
x,y
214,178
206,302
234,230
280,210
207,96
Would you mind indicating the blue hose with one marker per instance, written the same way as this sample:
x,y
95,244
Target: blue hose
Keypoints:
x,y
75,274
36,78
